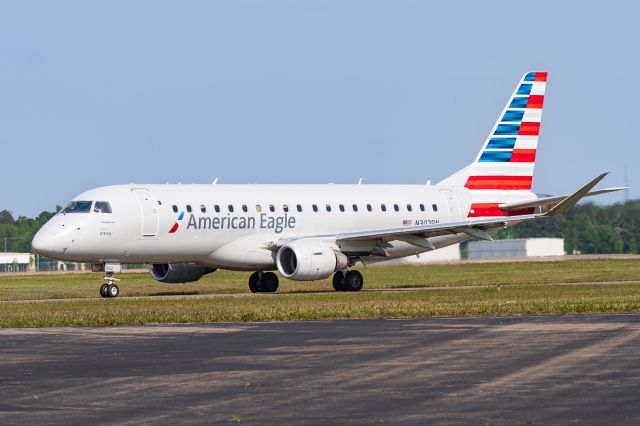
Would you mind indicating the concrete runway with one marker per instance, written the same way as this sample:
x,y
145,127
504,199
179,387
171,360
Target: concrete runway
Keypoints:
x,y
534,370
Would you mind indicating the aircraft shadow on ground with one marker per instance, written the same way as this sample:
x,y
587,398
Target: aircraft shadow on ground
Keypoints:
x,y
175,293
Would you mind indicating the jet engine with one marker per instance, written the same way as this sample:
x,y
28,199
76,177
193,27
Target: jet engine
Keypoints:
x,y
308,261
174,273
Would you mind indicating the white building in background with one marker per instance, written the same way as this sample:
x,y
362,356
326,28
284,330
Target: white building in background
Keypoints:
x,y
28,262
524,247
15,262
70,266
445,254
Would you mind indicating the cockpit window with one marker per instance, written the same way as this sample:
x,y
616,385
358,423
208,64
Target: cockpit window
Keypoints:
x,y
78,207
102,207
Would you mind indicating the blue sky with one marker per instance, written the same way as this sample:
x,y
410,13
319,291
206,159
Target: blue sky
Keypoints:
x,y
98,93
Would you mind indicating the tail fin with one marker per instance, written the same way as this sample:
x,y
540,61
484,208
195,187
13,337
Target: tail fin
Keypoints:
x,y
505,162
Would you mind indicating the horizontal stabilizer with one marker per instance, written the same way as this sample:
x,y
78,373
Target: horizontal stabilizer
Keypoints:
x,y
546,201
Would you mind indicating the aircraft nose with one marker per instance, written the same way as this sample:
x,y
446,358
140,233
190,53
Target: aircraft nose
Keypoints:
x,y
44,243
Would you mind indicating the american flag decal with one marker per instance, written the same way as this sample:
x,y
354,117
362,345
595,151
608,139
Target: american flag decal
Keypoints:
x,y
406,222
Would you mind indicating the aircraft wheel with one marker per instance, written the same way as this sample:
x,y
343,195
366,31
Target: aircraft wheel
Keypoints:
x,y
254,283
353,281
269,282
113,290
103,290
338,281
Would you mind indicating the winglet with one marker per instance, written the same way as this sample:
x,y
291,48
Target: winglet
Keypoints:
x,y
566,204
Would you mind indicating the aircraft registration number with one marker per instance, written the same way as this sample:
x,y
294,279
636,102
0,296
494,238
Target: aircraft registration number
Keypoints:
x,y
426,221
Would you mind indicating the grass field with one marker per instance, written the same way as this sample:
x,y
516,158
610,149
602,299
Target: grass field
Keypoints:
x,y
513,289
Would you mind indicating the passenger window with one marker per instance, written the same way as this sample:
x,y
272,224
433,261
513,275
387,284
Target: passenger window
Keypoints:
x,y
355,207
244,208
188,208
230,207
341,207
328,206
421,207
315,208
369,208
299,207
285,208
216,208
383,207
409,207
396,208
435,207
272,208
203,209
175,208
102,207
258,208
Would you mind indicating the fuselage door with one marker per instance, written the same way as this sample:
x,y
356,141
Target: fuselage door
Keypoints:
x,y
149,212
453,204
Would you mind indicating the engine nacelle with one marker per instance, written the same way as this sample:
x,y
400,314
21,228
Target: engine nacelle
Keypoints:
x,y
308,261
178,273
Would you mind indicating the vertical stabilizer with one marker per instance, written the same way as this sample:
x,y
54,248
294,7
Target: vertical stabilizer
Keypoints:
x,y
503,169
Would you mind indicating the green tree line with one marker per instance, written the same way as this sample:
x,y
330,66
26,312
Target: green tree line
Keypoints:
x,y
16,234
587,228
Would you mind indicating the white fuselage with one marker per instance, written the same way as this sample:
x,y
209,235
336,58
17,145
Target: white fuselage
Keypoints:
x,y
219,233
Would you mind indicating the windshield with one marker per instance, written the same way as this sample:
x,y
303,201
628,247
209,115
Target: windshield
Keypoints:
x,y
78,207
102,207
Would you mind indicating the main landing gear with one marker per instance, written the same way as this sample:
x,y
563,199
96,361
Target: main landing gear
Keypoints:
x,y
109,289
263,282
348,281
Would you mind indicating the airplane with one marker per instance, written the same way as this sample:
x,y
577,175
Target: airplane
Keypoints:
x,y
309,232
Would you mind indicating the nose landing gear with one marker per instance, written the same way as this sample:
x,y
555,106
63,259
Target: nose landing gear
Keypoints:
x,y
109,288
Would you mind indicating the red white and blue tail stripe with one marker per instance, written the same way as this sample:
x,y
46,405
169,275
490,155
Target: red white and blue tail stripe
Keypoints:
x,y
503,169
507,158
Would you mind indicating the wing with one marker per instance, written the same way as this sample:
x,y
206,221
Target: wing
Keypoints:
x,y
373,242
418,235
476,228
473,228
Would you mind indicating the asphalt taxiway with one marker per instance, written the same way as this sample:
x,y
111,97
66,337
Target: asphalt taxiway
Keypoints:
x,y
582,369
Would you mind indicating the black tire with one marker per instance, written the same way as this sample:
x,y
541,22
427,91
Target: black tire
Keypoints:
x,y
269,282
103,290
113,290
254,283
338,281
353,281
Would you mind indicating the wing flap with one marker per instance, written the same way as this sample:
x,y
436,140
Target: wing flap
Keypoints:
x,y
426,231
